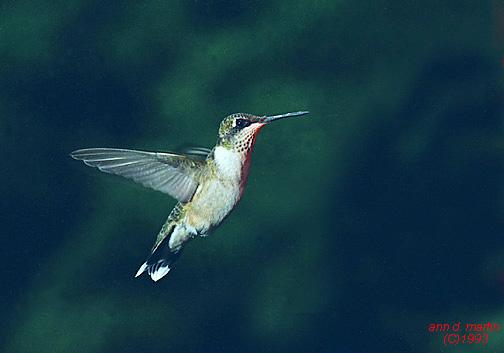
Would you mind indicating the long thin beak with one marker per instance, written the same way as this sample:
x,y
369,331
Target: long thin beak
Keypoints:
x,y
269,119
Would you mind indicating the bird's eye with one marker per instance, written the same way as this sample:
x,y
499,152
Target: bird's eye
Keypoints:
x,y
241,123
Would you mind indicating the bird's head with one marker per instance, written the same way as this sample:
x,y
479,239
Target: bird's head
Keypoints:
x,y
238,131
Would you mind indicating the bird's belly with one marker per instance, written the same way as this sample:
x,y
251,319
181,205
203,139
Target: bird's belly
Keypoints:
x,y
212,203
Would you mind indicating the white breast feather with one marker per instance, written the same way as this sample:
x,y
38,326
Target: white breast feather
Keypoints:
x,y
229,163
217,196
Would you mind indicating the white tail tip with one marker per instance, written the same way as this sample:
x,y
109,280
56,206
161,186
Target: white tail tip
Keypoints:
x,y
141,269
160,273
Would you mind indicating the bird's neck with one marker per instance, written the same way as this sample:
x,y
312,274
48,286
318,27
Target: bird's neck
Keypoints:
x,y
232,159
229,162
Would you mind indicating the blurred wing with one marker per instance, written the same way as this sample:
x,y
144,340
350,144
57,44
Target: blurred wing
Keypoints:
x,y
173,174
196,151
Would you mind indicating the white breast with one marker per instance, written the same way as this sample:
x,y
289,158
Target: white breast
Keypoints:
x,y
229,163
216,197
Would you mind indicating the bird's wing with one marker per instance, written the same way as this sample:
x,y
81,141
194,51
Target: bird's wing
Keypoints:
x,y
173,174
196,151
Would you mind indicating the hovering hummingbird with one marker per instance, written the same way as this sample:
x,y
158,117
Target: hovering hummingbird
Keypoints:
x,y
208,183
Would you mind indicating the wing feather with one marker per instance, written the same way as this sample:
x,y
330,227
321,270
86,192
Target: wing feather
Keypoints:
x,y
173,174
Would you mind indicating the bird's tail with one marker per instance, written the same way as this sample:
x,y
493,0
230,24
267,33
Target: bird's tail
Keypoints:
x,y
159,262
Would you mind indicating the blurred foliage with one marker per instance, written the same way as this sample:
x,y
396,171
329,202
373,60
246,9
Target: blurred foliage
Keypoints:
x,y
380,213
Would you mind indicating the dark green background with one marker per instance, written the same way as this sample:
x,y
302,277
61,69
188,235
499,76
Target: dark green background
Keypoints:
x,y
380,213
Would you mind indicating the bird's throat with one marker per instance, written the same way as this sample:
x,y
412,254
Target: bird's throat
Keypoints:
x,y
229,162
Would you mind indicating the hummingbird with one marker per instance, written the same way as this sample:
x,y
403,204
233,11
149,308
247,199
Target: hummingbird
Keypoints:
x,y
207,183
